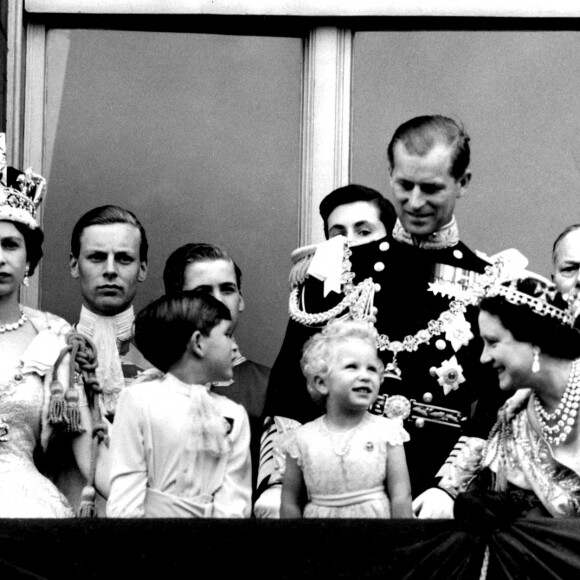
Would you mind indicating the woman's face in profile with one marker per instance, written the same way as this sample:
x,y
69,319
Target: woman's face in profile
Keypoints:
x,y
511,359
12,258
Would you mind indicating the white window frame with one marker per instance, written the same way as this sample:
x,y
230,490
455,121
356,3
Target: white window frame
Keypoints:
x,y
327,71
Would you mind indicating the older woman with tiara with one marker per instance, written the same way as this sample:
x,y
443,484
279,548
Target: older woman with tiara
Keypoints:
x,y
530,463
38,400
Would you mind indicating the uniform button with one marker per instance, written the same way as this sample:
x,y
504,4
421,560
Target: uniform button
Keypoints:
x,y
427,397
379,267
440,344
384,246
458,254
377,287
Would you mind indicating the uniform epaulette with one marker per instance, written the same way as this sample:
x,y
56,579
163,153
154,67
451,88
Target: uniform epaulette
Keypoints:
x,y
301,258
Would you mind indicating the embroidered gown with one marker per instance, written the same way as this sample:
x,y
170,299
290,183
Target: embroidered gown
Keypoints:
x,y
532,470
24,491
345,473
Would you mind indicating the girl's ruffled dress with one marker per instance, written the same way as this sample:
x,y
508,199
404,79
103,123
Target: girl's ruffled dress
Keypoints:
x,y
345,472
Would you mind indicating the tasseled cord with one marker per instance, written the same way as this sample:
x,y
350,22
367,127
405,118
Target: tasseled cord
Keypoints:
x,y
65,409
57,403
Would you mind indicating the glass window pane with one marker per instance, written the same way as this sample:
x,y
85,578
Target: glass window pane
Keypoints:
x,y
198,135
517,94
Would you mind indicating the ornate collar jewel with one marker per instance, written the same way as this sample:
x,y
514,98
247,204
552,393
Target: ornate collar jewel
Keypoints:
x,y
358,300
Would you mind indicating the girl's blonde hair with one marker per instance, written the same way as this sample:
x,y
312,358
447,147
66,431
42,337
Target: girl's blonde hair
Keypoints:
x,y
318,353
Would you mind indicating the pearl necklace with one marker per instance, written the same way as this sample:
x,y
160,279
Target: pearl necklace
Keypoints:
x,y
344,439
14,325
564,414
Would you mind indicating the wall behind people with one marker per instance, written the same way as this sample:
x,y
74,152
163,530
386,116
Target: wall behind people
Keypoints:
x,y
199,136
3,55
517,93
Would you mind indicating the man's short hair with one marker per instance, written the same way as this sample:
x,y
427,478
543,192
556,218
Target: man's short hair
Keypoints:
x,y
420,134
164,327
352,193
106,215
174,271
559,239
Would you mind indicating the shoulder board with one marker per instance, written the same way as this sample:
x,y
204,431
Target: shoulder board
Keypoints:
x,y
301,258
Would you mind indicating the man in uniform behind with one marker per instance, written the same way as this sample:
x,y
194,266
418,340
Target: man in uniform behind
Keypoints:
x,y
428,341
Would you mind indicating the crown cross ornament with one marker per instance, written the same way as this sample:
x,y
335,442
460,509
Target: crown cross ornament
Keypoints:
x,y
20,192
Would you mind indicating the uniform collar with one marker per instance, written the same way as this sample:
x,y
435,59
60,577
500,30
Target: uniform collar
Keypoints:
x,y
446,237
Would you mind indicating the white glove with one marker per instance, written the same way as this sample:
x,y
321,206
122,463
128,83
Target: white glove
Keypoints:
x,y
433,503
268,504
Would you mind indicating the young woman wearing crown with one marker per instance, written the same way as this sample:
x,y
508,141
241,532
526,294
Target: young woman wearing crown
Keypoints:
x,y
530,463
39,403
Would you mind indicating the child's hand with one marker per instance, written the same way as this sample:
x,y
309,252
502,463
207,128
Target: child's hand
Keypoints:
x,y
433,503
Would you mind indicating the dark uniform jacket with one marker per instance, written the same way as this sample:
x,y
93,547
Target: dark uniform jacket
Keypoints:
x,y
402,274
249,390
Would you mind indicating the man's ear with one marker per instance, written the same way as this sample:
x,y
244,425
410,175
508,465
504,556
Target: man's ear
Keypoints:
x,y
196,344
242,304
74,266
391,176
320,385
142,271
464,181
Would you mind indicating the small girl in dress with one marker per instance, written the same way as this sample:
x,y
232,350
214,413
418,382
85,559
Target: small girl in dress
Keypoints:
x,y
339,465
179,450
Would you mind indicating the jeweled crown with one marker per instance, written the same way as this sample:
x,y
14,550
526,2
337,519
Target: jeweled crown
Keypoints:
x,y
20,192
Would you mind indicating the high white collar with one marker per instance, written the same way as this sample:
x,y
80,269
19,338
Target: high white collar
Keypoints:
x,y
446,237
122,323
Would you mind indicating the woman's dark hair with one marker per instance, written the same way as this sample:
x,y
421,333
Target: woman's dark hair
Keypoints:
x,y
33,240
352,193
553,336
164,327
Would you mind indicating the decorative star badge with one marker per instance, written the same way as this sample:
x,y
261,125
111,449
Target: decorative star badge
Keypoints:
x,y
458,332
450,375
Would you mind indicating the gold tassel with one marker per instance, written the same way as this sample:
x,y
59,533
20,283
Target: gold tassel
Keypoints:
x,y
56,408
87,506
501,476
72,411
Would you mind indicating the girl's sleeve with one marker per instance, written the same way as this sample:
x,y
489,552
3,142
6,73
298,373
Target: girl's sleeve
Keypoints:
x,y
234,498
288,445
396,433
128,463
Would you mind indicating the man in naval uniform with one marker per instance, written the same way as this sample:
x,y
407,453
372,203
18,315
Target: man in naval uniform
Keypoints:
x,y
428,341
